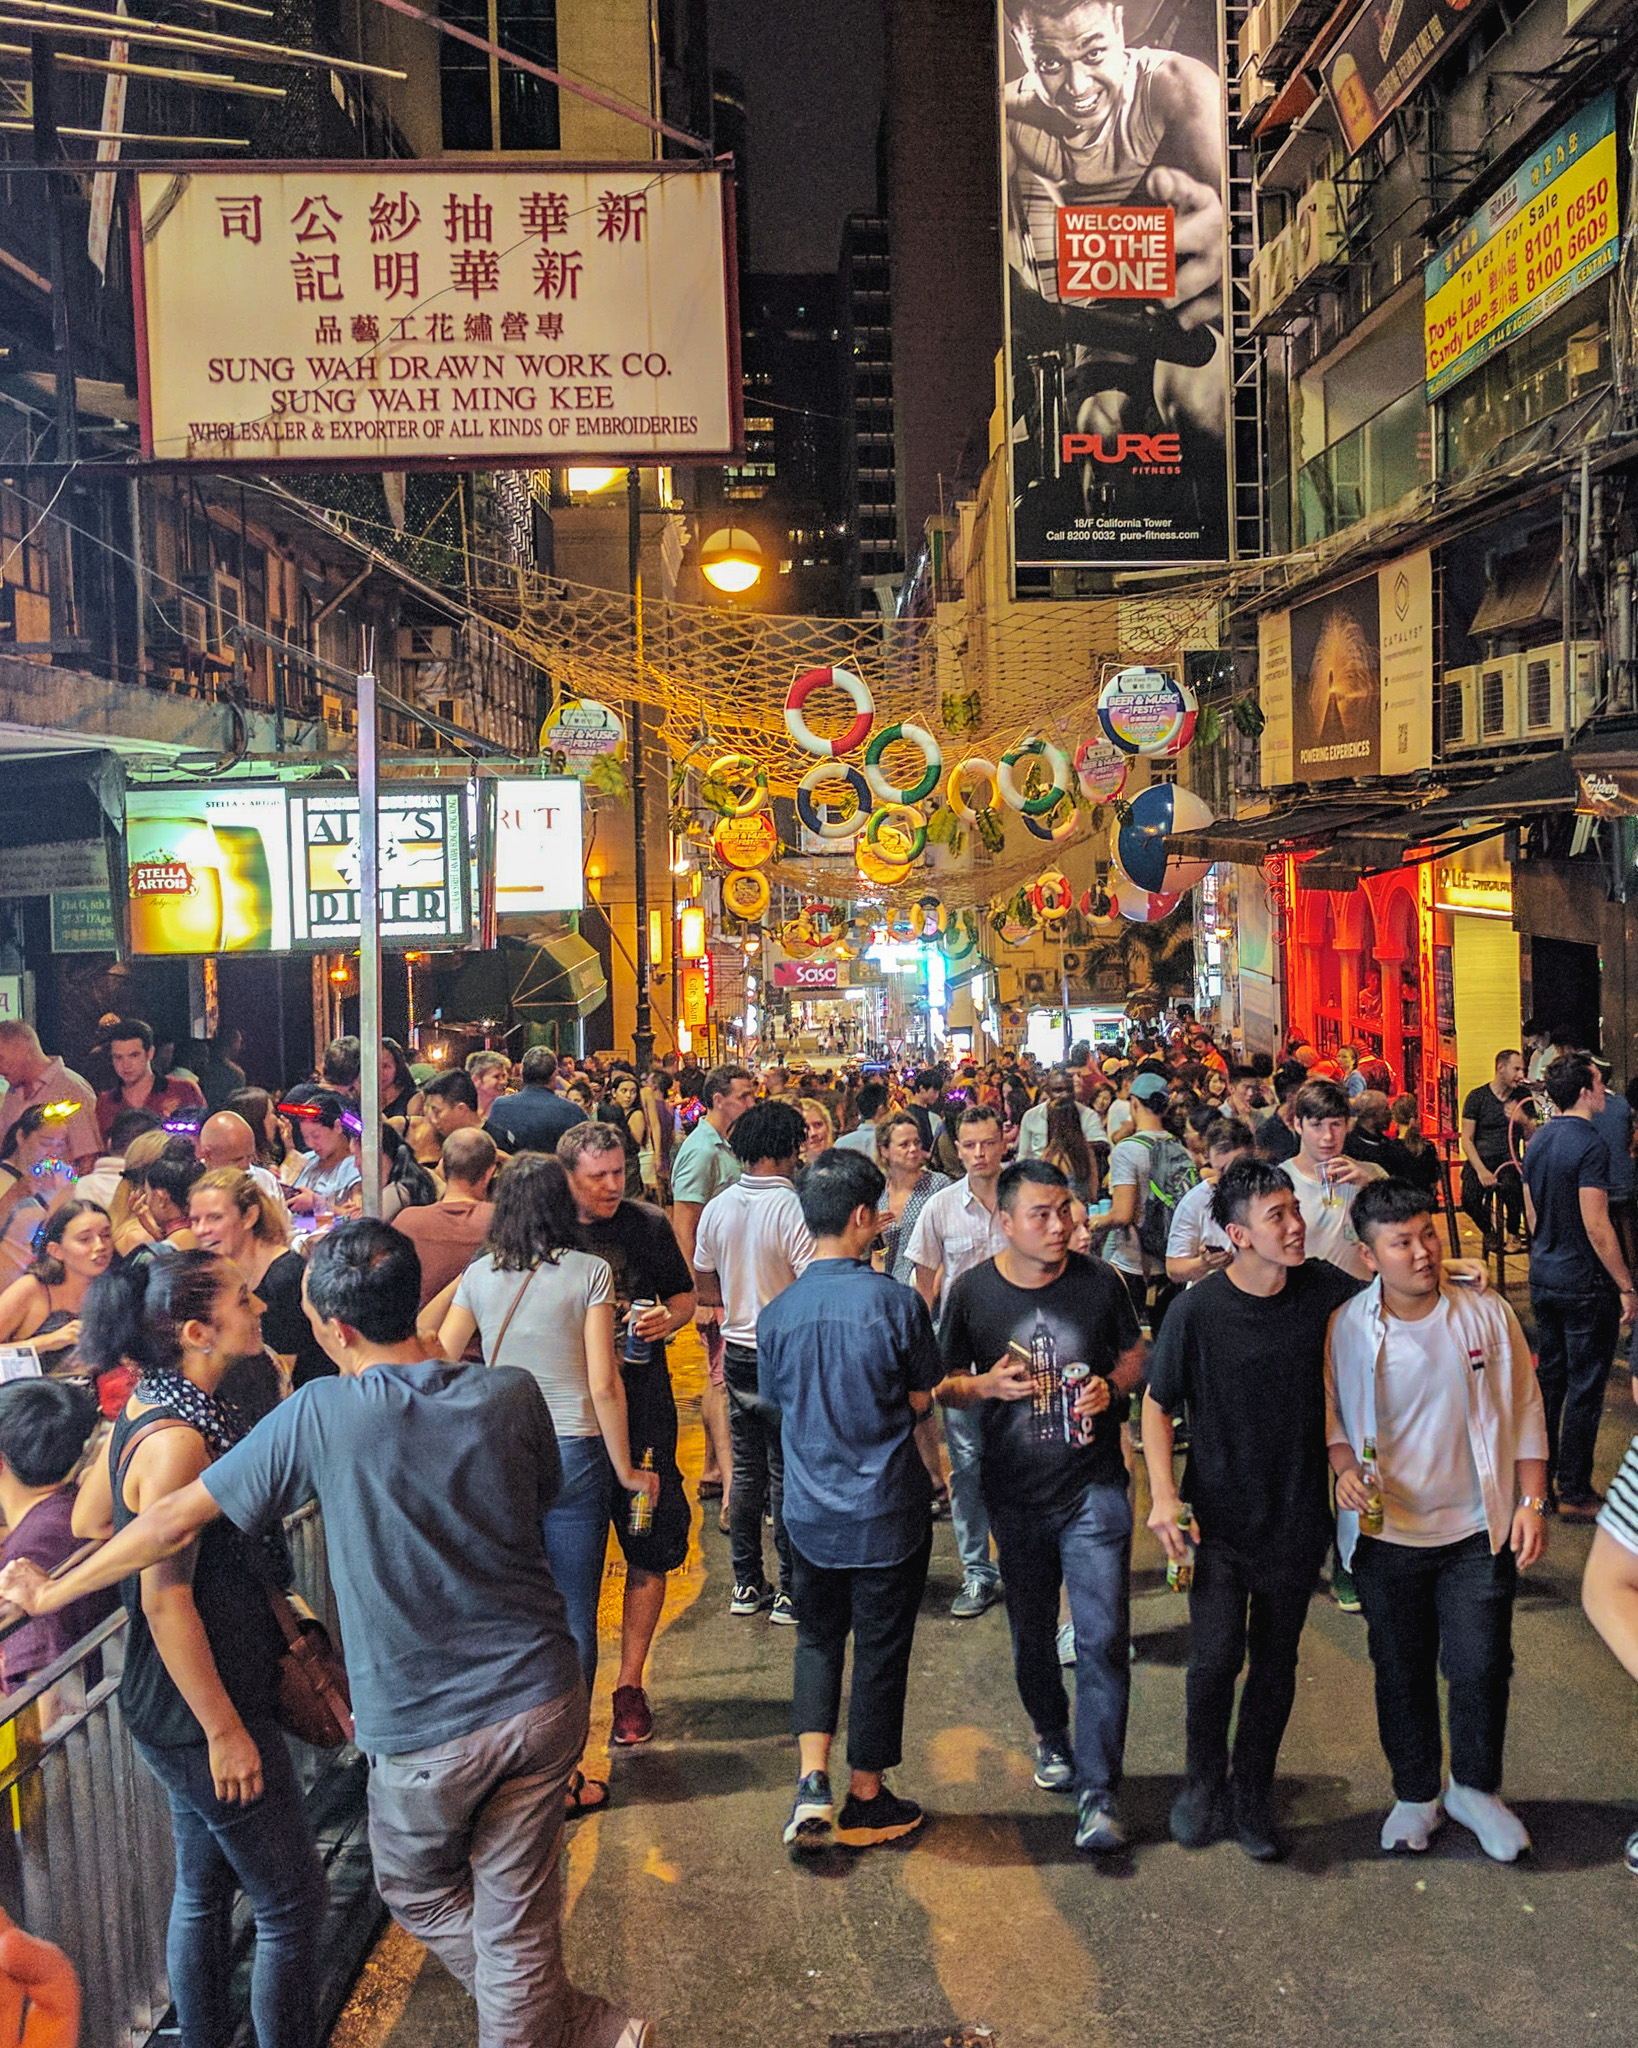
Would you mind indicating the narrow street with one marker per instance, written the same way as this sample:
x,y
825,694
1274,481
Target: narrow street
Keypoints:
x,y
684,1904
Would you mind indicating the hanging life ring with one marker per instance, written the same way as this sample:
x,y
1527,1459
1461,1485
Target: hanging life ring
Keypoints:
x,y
1056,824
1052,896
932,770
745,894
971,764
803,735
1056,759
903,824
808,811
730,770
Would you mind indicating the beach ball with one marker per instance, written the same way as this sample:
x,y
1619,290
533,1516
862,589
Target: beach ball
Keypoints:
x,y
1140,845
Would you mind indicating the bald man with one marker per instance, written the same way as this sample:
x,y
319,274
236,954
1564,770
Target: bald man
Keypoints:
x,y
226,1140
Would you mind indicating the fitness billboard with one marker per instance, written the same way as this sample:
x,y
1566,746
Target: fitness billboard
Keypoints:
x,y
1113,171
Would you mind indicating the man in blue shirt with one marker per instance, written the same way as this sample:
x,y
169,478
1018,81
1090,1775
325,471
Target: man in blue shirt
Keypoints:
x,y
1580,1289
847,1356
537,1116
466,1689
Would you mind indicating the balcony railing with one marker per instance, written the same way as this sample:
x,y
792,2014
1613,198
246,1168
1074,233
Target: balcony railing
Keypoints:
x,y
1367,471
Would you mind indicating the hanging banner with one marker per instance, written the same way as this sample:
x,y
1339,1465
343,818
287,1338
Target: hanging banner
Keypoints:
x,y
1384,54
1113,167
1346,681
1552,229
424,859
435,311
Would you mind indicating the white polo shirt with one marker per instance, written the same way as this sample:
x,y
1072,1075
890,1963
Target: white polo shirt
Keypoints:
x,y
753,1238
1331,1233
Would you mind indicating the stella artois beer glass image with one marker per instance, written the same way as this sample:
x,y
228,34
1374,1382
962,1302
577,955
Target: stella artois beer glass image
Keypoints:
x,y
202,870
175,884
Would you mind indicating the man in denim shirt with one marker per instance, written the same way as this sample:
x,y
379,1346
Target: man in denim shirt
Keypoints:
x,y
847,1356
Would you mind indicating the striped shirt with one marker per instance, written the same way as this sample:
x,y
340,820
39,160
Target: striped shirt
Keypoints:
x,y
1619,1515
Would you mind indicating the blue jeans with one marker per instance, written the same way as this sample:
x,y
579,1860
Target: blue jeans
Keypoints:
x,y
267,1850
1576,1338
964,1433
577,1539
1091,1555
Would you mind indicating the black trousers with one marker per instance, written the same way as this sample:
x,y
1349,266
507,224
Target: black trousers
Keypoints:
x,y
759,1473
1576,1338
1449,1609
878,1605
1237,1606
1497,1207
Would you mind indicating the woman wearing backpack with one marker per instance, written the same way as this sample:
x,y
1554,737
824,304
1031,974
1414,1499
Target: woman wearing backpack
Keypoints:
x,y
1149,1173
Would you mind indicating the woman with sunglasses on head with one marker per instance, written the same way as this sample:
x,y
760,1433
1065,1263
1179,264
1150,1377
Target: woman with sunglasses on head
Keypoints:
x,y
33,1174
202,1650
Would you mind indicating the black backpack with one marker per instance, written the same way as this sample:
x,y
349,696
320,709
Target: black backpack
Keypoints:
x,y
1171,1175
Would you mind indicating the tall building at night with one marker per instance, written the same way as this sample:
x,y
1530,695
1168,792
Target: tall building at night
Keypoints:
x,y
866,285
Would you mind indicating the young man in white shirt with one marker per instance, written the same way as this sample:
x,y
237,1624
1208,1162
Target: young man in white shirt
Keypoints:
x,y
749,1245
958,1229
1326,1179
1131,1166
1439,1383
1197,1244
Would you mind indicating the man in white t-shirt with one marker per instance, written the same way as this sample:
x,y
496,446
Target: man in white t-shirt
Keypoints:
x,y
960,1228
749,1245
1437,1385
1325,1179
1059,1086
1197,1244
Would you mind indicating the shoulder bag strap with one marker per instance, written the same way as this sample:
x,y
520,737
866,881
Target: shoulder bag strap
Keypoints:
x,y
506,1324
140,1435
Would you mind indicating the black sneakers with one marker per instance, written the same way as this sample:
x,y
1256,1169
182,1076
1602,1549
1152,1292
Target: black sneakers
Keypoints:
x,y
865,1823
1197,1816
813,1815
1254,1828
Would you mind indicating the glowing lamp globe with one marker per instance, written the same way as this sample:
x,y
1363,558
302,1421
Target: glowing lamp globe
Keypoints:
x,y
1140,845
731,560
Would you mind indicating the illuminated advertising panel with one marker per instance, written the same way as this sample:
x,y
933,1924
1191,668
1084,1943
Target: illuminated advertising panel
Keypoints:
x,y
538,850
208,869
424,856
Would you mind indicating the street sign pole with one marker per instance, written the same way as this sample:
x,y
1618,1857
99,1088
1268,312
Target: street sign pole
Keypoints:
x,y
369,931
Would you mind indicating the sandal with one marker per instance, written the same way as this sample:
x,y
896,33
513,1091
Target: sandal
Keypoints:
x,y
584,1795
724,1524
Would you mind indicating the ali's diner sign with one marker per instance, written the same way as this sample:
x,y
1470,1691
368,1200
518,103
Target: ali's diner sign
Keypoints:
x,y
400,314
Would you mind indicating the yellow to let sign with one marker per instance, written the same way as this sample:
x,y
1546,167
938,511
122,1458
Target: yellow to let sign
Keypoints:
x,y
1550,231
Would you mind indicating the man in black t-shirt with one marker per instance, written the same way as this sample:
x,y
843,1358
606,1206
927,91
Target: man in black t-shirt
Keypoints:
x,y
1040,1340
648,1267
1243,1357
1489,1169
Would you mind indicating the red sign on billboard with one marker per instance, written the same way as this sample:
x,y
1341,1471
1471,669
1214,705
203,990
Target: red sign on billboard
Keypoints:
x,y
807,974
1116,252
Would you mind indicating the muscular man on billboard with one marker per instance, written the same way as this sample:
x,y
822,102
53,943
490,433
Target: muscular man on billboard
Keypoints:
x,y
1095,121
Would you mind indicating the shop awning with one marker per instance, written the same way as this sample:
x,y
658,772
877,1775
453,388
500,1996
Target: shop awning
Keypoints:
x,y
1527,589
1299,828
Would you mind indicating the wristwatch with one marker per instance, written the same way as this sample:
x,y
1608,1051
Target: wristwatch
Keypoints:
x,y
1538,1501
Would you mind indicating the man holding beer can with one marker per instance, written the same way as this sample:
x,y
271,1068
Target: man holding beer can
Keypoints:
x,y
1043,1344
1438,1385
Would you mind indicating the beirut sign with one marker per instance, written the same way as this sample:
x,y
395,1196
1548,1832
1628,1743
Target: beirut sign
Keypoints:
x,y
400,313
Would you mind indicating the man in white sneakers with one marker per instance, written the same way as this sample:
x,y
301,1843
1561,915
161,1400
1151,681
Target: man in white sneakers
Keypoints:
x,y
750,1245
1439,1383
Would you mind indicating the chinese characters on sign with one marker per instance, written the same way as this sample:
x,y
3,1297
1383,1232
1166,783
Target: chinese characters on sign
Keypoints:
x,y
536,314
1384,53
1553,228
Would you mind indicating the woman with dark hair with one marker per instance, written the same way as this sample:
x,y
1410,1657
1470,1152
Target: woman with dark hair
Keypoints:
x,y
271,1131
75,1245
1066,1148
400,1091
162,1205
539,1302
621,1112
202,1650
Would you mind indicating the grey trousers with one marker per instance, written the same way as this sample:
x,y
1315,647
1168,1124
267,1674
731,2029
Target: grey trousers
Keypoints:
x,y
466,1838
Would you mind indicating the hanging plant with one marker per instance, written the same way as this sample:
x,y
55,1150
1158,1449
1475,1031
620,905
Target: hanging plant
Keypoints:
x,y
991,830
607,776
944,829
1210,728
1248,717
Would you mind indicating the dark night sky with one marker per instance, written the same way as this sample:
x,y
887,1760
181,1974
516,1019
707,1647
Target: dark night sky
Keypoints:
x,y
813,85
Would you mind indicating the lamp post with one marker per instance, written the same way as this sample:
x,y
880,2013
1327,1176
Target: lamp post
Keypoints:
x,y
642,1036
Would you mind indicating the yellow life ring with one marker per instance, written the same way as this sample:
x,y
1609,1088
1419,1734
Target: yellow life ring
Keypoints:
x,y
745,894
740,769
1052,896
971,764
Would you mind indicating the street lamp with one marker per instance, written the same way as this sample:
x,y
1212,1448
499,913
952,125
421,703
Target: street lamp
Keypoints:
x,y
590,480
731,561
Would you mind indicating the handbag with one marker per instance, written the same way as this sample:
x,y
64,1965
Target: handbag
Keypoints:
x,y
313,1701
493,1357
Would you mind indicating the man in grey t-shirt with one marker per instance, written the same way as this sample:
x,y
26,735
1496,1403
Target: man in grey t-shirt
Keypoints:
x,y
467,1694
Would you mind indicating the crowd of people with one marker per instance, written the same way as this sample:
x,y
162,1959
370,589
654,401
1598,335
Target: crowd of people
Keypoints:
x,y
993,1293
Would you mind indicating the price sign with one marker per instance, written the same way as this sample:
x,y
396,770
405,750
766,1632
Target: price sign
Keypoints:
x,y
1552,229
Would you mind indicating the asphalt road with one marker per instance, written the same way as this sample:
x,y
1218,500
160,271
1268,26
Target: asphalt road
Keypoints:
x,y
684,1905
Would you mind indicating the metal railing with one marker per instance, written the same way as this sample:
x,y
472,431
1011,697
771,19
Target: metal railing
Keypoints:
x,y
86,1859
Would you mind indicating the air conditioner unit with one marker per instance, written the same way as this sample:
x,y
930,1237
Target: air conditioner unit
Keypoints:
x,y
1456,712
1253,34
1319,229
1072,961
1036,984
1280,277
1253,89
1543,692
1498,697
